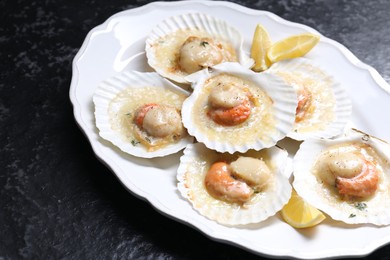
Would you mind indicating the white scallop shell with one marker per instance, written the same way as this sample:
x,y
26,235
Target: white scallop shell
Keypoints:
x,y
193,167
308,187
284,102
196,21
318,125
106,93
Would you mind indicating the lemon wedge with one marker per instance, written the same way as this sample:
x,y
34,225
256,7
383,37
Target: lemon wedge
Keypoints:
x,y
292,47
299,214
260,44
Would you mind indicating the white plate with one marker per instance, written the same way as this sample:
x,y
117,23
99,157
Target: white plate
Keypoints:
x,y
118,44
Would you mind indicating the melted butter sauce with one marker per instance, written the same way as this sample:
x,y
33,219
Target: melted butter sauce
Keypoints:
x,y
167,49
321,112
196,175
259,125
372,204
122,108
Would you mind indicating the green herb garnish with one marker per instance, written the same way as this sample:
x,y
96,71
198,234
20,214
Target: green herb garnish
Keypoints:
x,y
134,142
352,215
203,44
360,205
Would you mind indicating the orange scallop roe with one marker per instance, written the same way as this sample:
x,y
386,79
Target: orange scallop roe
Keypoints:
x,y
304,103
221,185
141,112
231,116
363,185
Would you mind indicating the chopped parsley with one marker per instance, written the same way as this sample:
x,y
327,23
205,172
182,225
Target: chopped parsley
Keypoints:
x,y
360,205
204,43
134,142
148,139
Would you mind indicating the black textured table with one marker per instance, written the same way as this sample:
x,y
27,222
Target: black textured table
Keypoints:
x,y
57,200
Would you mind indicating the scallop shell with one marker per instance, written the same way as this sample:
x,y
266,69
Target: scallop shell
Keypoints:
x,y
108,107
194,165
257,132
376,207
333,108
213,26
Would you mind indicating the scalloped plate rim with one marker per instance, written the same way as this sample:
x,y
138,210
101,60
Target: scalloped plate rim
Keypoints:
x,y
181,217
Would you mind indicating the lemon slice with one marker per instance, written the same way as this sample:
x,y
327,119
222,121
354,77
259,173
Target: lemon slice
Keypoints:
x,y
260,44
300,214
292,47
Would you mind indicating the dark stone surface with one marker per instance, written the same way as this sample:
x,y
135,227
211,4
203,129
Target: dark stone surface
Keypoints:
x,y
56,199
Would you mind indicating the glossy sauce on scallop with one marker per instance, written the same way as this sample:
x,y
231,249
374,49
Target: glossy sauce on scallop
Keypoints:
x,y
347,178
347,161
324,107
169,50
320,111
181,45
140,113
268,190
123,107
260,122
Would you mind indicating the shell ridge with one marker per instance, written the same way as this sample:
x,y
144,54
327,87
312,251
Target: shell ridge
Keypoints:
x,y
309,188
266,205
208,24
108,90
330,125
284,112
197,21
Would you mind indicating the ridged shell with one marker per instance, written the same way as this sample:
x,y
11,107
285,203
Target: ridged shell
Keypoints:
x,y
376,208
256,133
333,107
108,105
194,165
215,27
